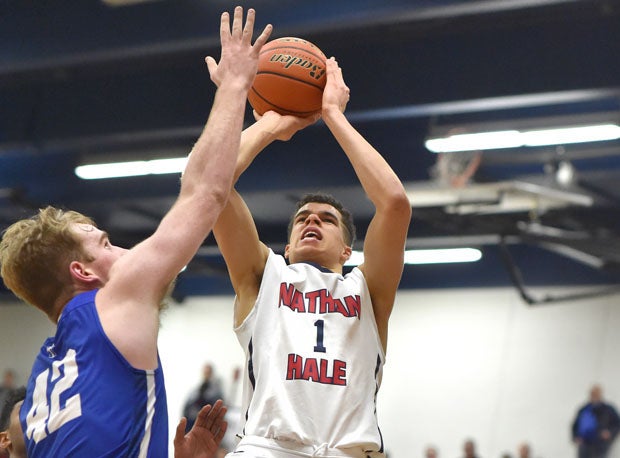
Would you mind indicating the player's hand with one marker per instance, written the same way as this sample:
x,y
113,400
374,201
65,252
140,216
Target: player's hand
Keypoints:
x,y
203,440
283,127
336,93
239,58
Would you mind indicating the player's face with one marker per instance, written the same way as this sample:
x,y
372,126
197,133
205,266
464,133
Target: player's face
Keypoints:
x,y
97,244
317,235
12,439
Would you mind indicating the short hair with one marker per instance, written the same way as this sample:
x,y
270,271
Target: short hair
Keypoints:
x,y
35,252
322,198
15,395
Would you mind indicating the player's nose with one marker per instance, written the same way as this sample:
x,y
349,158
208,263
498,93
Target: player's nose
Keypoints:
x,y
313,218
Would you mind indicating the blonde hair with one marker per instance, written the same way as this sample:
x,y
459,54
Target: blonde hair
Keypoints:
x,y
35,254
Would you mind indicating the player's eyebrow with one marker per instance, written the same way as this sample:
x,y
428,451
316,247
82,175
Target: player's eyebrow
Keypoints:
x,y
321,213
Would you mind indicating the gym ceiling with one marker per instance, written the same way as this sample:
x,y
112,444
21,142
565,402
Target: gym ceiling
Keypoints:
x,y
84,81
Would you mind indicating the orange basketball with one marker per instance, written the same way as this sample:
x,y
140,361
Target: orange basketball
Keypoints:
x,y
290,78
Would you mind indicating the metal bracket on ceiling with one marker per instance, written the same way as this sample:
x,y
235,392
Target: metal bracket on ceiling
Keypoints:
x,y
516,277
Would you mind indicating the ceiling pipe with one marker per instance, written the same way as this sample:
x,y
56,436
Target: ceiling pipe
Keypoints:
x,y
516,277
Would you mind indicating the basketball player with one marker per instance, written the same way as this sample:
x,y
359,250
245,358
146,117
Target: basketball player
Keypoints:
x,y
314,339
97,386
202,441
11,436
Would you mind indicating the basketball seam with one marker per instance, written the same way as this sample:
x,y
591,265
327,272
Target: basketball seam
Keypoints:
x,y
321,58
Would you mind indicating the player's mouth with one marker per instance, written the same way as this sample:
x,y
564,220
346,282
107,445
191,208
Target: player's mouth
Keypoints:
x,y
311,234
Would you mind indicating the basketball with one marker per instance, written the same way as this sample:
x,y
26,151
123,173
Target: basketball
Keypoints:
x,y
290,78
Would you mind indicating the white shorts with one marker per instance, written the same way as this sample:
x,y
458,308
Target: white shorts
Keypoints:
x,y
259,447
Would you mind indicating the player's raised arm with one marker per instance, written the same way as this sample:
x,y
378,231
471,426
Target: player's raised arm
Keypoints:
x,y
235,231
386,235
62,263
205,186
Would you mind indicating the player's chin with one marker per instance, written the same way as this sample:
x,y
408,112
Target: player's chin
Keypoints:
x,y
306,252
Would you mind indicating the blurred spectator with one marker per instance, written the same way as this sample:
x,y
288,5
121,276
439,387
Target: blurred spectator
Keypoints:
x,y
207,392
6,389
234,414
431,452
595,426
524,450
7,386
469,449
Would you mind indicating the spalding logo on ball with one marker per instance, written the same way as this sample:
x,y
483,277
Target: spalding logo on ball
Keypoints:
x,y
290,78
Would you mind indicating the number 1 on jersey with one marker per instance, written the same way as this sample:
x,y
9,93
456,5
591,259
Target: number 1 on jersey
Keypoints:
x,y
319,336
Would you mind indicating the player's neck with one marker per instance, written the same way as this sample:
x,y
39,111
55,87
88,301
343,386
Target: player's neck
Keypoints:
x,y
323,267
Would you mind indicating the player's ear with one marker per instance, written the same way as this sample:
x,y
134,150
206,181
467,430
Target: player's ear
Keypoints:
x,y
5,442
346,254
286,250
80,273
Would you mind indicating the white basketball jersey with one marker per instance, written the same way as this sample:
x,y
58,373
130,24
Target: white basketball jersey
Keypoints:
x,y
313,359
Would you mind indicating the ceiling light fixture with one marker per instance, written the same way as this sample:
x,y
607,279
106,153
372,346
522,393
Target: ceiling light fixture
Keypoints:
x,y
428,256
131,169
515,138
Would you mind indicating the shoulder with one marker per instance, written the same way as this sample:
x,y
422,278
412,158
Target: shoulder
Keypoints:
x,y
79,302
357,273
273,257
275,262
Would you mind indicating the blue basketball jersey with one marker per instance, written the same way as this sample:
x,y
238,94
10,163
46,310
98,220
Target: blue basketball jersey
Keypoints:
x,y
85,400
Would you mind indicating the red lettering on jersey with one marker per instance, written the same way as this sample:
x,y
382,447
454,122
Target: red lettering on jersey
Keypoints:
x,y
311,370
318,371
286,294
340,373
309,302
312,297
298,304
293,370
325,301
340,308
324,378
354,303
291,298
